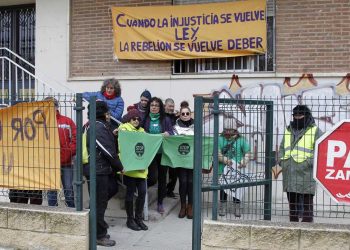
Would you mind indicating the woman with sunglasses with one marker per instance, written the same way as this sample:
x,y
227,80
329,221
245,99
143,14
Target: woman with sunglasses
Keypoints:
x,y
134,179
185,126
156,122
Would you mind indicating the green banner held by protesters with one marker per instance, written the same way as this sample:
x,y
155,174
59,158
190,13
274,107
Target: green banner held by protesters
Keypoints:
x,y
137,150
178,151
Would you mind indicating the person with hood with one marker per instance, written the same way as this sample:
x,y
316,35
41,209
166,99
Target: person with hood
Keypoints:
x,y
134,179
185,126
296,157
67,134
107,162
141,106
234,151
111,94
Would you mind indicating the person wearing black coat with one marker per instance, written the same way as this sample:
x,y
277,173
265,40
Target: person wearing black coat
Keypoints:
x,y
107,163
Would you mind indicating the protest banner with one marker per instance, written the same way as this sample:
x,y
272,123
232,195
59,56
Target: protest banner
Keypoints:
x,y
178,151
30,147
137,150
190,31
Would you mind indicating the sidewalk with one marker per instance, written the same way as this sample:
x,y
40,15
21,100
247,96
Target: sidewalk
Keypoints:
x,y
169,233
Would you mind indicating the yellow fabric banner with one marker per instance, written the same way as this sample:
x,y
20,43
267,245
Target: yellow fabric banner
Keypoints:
x,y
190,31
30,147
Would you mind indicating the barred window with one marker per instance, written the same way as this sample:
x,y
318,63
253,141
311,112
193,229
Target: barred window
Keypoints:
x,y
255,63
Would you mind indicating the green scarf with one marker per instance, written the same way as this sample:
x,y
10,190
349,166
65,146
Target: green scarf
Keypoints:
x,y
154,125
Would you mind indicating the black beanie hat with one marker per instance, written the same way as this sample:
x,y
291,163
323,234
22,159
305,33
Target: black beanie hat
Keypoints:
x,y
101,110
301,110
146,94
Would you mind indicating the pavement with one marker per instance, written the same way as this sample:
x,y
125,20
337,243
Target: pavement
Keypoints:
x,y
165,231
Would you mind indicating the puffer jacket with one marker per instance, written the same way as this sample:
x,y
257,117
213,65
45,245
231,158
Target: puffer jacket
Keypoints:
x,y
115,105
107,159
180,128
67,133
297,177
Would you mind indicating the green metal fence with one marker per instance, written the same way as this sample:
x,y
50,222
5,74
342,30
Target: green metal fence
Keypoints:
x,y
261,124
69,105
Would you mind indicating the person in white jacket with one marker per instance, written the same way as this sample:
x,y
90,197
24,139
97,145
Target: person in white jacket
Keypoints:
x,y
185,126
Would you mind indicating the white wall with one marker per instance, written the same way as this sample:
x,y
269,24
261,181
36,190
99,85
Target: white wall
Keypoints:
x,y
52,42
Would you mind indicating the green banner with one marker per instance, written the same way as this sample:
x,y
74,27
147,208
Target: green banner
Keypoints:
x,y
137,150
178,151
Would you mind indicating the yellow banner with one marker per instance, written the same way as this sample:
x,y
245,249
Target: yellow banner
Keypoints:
x,y
190,31
30,147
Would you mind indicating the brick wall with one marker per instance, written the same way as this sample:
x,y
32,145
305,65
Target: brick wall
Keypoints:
x,y
313,36
91,49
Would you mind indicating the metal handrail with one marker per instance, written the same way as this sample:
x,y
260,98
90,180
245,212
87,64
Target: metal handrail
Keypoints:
x,y
18,56
68,89
29,73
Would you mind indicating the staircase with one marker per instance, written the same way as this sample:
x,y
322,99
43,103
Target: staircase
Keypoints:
x,y
19,83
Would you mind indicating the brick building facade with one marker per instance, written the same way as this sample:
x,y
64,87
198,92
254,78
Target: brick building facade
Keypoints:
x,y
311,37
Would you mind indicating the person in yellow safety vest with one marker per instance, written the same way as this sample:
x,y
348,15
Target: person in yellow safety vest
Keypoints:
x,y
296,156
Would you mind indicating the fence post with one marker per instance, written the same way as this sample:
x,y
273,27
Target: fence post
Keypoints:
x,y
215,112
197,176
268,160
78,179
92,163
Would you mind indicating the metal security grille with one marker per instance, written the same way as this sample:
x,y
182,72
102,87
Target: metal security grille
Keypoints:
x,y
256,63
17,53
17,31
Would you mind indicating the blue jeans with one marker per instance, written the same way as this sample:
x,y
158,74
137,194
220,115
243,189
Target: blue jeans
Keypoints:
x,y
67,182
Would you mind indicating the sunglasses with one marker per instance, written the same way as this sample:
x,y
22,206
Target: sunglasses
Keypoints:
x,y
136,119
185,113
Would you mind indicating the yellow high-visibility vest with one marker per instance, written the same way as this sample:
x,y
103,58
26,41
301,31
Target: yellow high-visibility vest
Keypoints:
x,y
303,149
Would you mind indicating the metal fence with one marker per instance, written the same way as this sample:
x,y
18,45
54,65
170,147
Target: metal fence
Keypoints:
x,y
16,126
261,124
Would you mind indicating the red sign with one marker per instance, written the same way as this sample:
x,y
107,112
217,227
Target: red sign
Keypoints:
x,y
332,162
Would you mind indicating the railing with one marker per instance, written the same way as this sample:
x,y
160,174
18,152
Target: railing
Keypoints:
x,y
19,83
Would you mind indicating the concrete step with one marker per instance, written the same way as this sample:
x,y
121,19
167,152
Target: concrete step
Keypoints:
x,y
116,206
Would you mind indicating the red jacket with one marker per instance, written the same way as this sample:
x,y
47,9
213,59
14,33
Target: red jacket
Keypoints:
x,y
67,132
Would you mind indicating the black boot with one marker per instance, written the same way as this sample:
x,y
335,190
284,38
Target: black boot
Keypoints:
x,y
139,213
130,223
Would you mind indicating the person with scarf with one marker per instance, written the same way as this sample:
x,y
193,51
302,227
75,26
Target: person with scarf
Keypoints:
x,y
184,125
156,122
134,179
296,157
111,94
141,106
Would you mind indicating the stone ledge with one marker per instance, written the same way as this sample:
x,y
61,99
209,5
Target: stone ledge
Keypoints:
x,y
274,235
268,237
37,240
324,239
68,223
51,220
225,235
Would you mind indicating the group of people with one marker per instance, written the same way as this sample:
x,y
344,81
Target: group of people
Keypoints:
x,y
150,115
